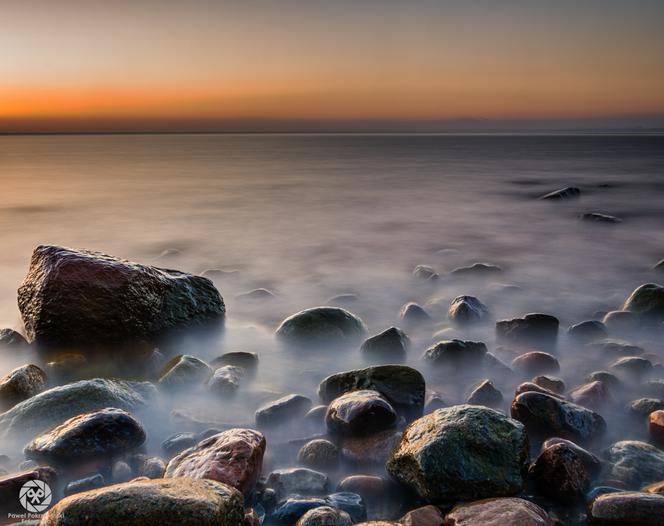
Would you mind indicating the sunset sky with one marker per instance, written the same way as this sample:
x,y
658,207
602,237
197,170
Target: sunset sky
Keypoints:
x,y
95,65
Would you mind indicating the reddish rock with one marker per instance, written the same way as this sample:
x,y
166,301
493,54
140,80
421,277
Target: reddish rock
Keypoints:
x,y
552,383
360,413
234,457
594,395
498,512
656,427
528,387
424,516
560,473
536,362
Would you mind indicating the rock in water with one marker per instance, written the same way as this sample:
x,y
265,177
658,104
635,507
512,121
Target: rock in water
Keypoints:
x,y
486,394
532,329
569,192
461,453
560,473
282,411
184,372
161,502
401,385
234,457
87,300
20,384
455,353
297,481
325,516
104,434
10,339
391,344
466,310
627,509
499,512
596,217
321,326
360,413
647,301
52,407
635,463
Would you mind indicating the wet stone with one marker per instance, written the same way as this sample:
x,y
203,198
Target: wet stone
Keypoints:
x,y
177,443
569,192
360,413
297,481
647,301
476,270
153,468
597,217
560,473
325,516
642,407
372,450
633,367
530,387
425,273
247,360
391,344
289,511
12,340
413,315
85,484
20,384
592,464
593,395
531,330
656,427
621,321
321,327
184,372
467,310
486,394
551,383
423,516
627,509
610,380
455,353
499,512
319,454
587,331
635,463
535,362
283,410
226,380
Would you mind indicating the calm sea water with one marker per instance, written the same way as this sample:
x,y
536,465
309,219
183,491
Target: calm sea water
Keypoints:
x,y
313,216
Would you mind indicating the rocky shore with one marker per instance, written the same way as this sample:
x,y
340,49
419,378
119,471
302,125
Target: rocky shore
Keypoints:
x,y
552,425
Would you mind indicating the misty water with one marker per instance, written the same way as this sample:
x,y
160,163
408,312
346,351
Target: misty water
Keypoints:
x,y
310,217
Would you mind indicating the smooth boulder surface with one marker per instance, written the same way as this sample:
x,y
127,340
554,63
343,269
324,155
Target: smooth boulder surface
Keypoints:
x,y
467,310
402,386
297,481
52,407
20,384
647,301
162,502
635,463
476,269
627,508
453,353
100,434
498,512
588,331
234,457
390,345
319,453
82,299
656,427
282,411
360,413
10,339
547,416
414,315
226,380
535,362
184,372
533,329
321,327
289,511
486,394
461,453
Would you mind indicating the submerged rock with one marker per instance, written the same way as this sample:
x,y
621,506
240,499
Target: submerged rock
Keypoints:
x,y
247,360
255,295
85,484
647,301
321,326
297,481
552,383
226,380
20,384
54,406
596,217
177,443
569,192
234,457
546,416
82,299
532,329
588,331
455,353
635,463
461,453
535,362
425,273
476,269
360,413
486,394
289,511
627,509
466,310
498,512
391,344
100,434
402,386
413,315
184,372
619,321
181,501
283,410
634,367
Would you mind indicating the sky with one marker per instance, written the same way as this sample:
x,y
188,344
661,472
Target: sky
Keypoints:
x,y
290,65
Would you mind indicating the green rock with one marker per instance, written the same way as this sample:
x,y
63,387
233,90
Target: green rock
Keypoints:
x,y
321,326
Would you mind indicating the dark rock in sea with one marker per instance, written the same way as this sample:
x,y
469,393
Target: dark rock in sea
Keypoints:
x,y
560,473
535,362
255,295
467,310
54,406
325,516
530,387
635,463
593,395
552,383
121,472
461,453
10,486
283,410
498,512
247,360
372,450
539,330
177,443
362,412
88,300
621,321
632,367
424,516
378,494
184,372
610,380
402,386
588,331
85,484
476,269
289,511
656,427
181,501
425,273
654,388
12,340
20,384
486,394
626,509
592,464
647,301
319,454
98,435
297,481
615,348
596,217
153,468
321,327
390,345
569,192
413,315
455,353
226,380
234,457
642,407
547,416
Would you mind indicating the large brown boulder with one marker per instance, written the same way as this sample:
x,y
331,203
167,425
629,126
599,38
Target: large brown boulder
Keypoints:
x,y
161,502
234,457
82,299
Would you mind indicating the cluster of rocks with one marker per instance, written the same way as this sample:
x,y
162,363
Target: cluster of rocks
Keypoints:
x,y
381,445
